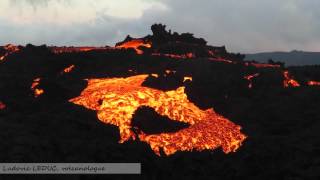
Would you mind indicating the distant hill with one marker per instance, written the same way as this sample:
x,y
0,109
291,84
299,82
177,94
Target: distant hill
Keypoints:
x,y
293,58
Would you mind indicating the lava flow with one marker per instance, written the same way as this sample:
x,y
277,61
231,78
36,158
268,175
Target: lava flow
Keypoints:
x,y
59,50
116,100
10,49
68,69
135,44
176,56
249,78
262,65
289,81
34,87
2,105
221,60
313,83
187,78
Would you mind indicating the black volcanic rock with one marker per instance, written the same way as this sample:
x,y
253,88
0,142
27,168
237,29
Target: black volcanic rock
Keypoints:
x,y
147,120
164,82
161,35
165,42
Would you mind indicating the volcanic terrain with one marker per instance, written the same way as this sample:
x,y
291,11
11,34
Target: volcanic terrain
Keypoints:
x,y
179,106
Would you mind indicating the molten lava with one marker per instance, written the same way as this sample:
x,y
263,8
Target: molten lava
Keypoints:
x,y
34,87
167,71
10,49
116,100
187,78
59,50
221,60
155,75
176,56
262,65
313,83
289,81
250,78
135,44
2,105
68,69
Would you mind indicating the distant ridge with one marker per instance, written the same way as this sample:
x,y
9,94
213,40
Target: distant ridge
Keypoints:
x,y
293,58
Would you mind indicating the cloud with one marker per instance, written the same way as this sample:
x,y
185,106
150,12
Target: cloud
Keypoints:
x,y
74,11
71,22
246,26
250,25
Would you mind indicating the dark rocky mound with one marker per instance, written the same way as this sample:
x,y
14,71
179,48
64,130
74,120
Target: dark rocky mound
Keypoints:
x,y
166,42
148,121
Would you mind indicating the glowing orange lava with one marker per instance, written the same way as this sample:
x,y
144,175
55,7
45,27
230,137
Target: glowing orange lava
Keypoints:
x,y
116,100
2,105
187,78
249,78
10,49
289,81
155,75
313,83
68,69
58,50
221,60
34,87
135,44
176,56
262,65
167,71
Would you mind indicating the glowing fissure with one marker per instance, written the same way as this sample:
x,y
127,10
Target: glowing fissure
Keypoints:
x,y
250,78
2,57
135,44
116,100
313,83
176,56
289,81
187,78
34,87
68,69
262,65
10,49
59,50
221,60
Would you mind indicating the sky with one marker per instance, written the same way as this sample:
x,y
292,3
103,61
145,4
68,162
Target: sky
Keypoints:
x,y
245,26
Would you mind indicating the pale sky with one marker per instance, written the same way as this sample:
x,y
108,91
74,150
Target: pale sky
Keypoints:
x,y
244,26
